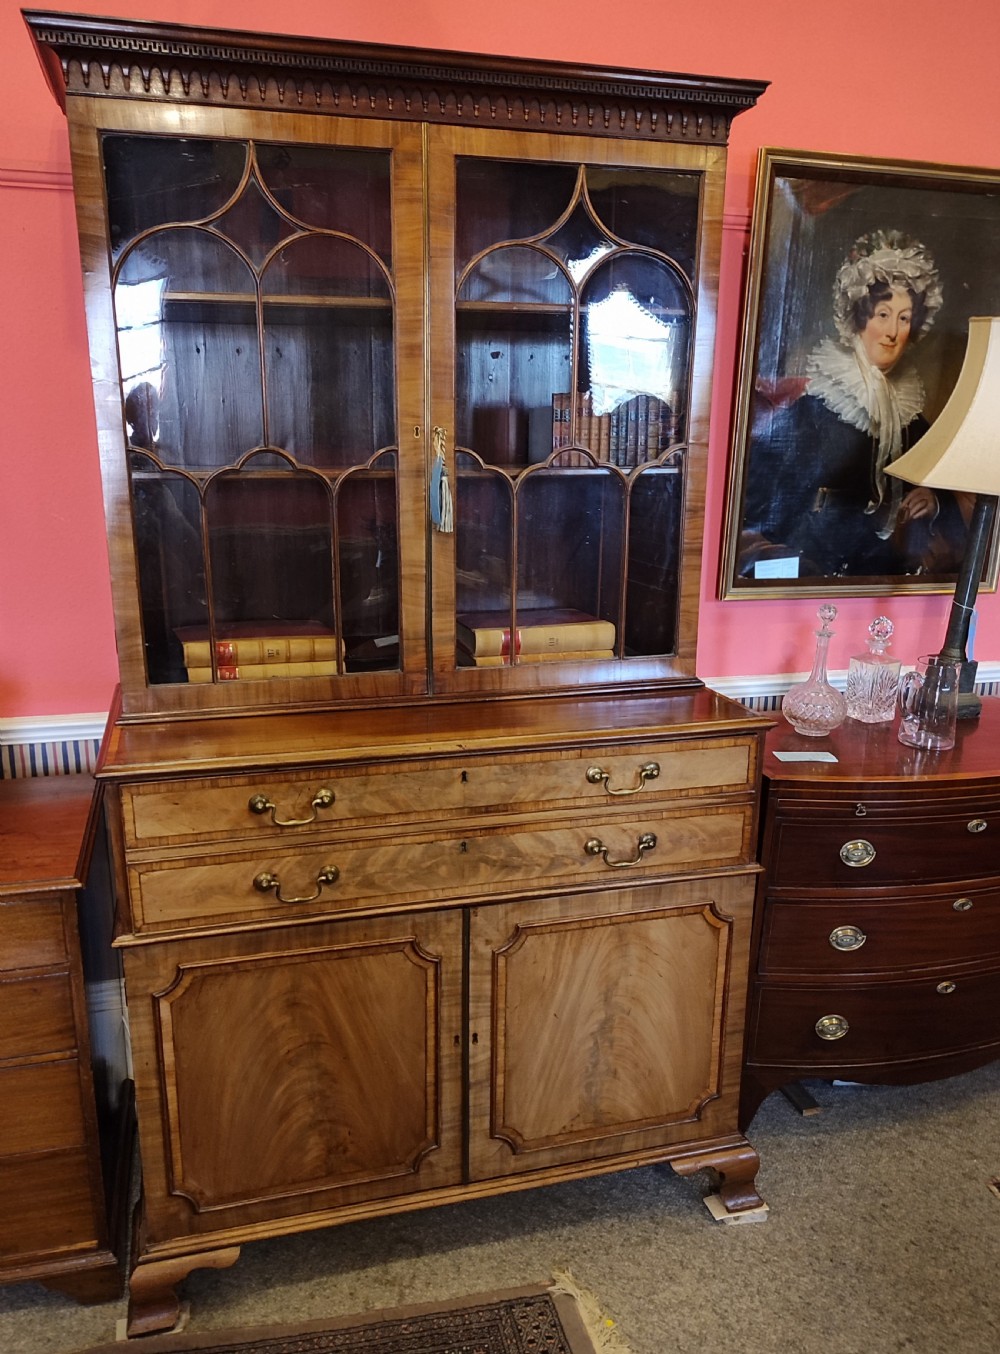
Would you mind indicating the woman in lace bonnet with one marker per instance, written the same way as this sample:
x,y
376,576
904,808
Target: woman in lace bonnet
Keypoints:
x,y
822,489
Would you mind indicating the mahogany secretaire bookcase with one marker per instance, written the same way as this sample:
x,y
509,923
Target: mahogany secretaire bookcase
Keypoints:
x,y
435,860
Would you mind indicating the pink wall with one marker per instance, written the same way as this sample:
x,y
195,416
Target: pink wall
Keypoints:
x,y
849,78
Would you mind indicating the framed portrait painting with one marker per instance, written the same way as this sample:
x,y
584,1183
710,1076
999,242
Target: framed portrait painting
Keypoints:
x,y
863,275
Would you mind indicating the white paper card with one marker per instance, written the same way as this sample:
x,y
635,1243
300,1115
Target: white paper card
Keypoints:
x,y
777,568
804,756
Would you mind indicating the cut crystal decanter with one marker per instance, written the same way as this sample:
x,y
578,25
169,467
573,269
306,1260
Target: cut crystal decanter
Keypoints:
x,y
873,678
814,707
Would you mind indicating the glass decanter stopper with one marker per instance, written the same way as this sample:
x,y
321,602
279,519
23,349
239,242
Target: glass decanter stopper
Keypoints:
x,y
873,678
814,707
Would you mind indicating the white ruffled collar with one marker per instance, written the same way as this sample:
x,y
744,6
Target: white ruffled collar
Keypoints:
x,y
879,405
836,378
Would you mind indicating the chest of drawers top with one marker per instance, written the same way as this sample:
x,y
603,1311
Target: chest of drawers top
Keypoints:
x,y
45,833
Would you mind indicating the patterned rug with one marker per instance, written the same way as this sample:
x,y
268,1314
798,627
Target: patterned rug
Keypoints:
x,y
528,1321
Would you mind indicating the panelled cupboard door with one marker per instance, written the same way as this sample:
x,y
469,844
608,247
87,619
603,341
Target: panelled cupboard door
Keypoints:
x,y
256,326
602,1023
296,1070
573,285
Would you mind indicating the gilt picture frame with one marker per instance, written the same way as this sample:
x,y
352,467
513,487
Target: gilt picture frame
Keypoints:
x,y
862,276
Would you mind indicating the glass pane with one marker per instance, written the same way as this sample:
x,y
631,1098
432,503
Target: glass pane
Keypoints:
x,y
484,539
580,243
654,563
271,554
187,333
169,555
636,331
502,200
327,188
509,363
652,207
367,517
522,275
153,181
570,533
253,224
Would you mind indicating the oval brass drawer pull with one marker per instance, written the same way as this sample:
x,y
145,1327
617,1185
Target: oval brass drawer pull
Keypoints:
x,y
977,825
261,804
946,988
265,881
962,904
847,938
857,853
832,1027
597,776
595,847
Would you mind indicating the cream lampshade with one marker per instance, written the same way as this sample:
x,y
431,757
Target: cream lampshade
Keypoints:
x,y
961,451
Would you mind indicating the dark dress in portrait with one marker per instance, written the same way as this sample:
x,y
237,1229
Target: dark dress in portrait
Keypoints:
x,y
810,482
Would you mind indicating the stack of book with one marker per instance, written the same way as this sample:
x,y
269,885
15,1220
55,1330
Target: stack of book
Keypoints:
x,y
255,650
549,635
632,433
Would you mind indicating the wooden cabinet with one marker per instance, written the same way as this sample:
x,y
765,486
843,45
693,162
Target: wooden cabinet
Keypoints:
x,y
435,858
63,1134
877,948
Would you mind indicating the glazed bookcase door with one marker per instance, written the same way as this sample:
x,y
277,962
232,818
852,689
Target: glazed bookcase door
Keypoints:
x,y
260,279
573,300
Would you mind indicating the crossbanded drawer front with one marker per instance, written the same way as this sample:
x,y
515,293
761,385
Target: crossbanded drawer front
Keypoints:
x,y
36,1016
31,934
311,802
820,851
46,1205
276,885
40,1109
855,936
873,1023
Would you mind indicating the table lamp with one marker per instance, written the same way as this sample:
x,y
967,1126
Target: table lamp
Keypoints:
x,y
961,451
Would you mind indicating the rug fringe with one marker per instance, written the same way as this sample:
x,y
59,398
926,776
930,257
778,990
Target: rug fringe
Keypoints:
x,y
600,1327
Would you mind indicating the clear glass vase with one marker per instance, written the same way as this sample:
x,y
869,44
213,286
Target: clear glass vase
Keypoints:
x,y
814,707
873,678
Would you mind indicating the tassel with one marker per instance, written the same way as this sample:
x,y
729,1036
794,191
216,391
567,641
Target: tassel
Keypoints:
x,y
441,505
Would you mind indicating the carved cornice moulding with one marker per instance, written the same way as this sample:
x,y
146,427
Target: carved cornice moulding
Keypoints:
x,y
119,59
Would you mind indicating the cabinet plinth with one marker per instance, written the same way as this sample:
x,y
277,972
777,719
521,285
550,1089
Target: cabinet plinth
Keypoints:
x,y
877,942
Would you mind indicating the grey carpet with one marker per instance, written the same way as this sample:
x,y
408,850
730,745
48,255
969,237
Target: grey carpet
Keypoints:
x,y
883,1235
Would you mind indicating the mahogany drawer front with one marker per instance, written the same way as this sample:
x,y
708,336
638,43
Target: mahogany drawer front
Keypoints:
x,y
815,850
36,1016
46,1205
31,934
314,801
854,935
427,867
40,1107
885,1022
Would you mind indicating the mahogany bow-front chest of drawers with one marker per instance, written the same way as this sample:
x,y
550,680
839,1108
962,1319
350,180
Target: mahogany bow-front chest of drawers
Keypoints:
x,y
877,941
63,1121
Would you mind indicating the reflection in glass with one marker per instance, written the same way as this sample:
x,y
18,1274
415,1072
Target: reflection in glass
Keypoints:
x,y
171,565
653,560
153,181
484,538
367,515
